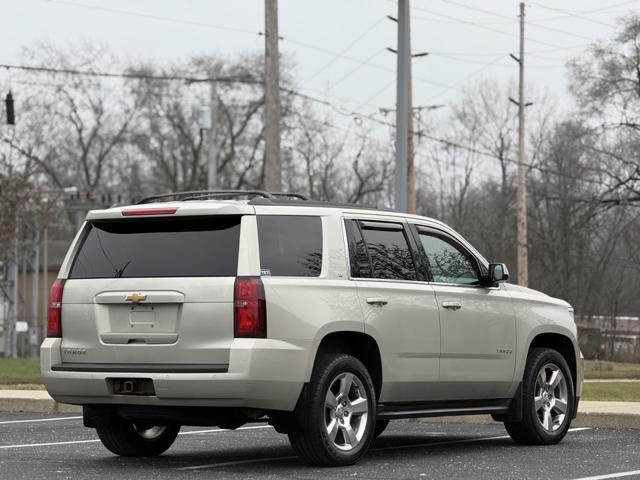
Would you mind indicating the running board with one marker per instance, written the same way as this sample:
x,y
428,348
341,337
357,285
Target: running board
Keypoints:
x,y
390,412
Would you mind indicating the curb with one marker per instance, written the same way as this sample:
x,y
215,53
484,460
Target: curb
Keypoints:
x,y
26,401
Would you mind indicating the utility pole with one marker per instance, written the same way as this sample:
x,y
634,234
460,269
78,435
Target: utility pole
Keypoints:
x,y
272,161
12,351
45,274
35,270
402,108
411,169
522,247
210,139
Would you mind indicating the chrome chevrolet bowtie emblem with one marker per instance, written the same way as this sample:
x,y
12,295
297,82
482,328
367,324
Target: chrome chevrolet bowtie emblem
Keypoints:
x,y
136,297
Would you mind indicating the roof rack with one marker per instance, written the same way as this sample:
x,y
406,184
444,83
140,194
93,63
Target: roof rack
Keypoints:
x,y
204,194
256,197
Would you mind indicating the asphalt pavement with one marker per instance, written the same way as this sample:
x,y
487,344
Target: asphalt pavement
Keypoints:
x,y
42,446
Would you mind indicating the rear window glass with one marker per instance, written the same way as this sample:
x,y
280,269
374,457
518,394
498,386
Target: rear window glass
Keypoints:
x,y
290,245
176,247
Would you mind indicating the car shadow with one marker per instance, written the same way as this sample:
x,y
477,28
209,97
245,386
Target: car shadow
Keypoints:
x,y
281,458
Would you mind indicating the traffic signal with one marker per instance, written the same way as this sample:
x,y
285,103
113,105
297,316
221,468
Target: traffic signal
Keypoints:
x,y
8,101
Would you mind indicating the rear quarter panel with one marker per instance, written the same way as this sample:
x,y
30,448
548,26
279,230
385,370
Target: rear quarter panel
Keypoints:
x,y
303,310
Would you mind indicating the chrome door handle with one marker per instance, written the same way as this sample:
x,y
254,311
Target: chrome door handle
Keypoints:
x,y
377,301
452,305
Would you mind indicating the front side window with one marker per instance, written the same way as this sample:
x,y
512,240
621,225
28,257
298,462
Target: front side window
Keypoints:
x,y
290,245
448,262
389,252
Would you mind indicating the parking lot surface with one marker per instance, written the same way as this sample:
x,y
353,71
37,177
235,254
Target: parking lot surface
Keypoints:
x,y
34,446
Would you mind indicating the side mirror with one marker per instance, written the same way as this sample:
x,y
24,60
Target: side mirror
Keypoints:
x,y
497,273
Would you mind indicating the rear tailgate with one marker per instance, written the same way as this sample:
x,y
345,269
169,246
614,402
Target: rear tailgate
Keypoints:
x,y
152,291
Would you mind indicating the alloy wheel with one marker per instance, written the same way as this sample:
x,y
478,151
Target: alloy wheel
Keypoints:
x,y
551,397
149,432
346,411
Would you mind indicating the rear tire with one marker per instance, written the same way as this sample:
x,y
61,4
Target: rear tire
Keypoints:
x,y
128,439
336,413
548,400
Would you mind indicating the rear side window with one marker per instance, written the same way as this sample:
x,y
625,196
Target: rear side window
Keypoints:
x,y
290,245
167,247
358,258
389,251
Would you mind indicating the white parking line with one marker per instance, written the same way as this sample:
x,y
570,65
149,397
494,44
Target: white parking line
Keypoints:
x,y
393,447
73,442
612,475
40,420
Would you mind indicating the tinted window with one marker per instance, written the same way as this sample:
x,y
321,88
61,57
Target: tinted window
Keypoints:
x,y
176,247
448,262
390,254
290,245
358,258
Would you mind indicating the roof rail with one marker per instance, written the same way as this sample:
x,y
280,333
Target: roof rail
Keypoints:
x,y
204,194
298,196
256,197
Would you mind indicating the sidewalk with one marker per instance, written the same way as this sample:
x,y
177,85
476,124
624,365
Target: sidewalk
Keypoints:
x,y
608,414
36,401
590,414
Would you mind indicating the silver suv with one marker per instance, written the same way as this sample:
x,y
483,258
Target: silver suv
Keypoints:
x,y
325,320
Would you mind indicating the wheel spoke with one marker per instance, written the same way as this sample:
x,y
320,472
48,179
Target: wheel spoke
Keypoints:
x,y
542,378
330,401
546,419
539,403
332,429
554,379
560,406
349,435
359,406
345,385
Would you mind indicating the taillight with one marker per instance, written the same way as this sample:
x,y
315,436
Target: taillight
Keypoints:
x,y
54,316
249,308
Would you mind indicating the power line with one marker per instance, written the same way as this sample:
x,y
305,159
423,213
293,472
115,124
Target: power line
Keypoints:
x,y
572,15
345,50
478,62
355,69
137,76
466,78
155,17
443,141
498,15
496,30
339,110
240,30
566,15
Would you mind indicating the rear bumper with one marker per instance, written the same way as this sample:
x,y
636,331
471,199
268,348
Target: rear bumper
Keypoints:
x,y
262,373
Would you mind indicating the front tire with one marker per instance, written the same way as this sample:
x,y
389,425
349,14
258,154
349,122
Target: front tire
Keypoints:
x,y
337,413
129,439
548,400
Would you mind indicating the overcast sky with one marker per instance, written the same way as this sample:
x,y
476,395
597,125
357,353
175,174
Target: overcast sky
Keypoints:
x,y
338,46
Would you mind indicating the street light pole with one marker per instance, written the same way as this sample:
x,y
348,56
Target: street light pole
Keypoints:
x,y
402,108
